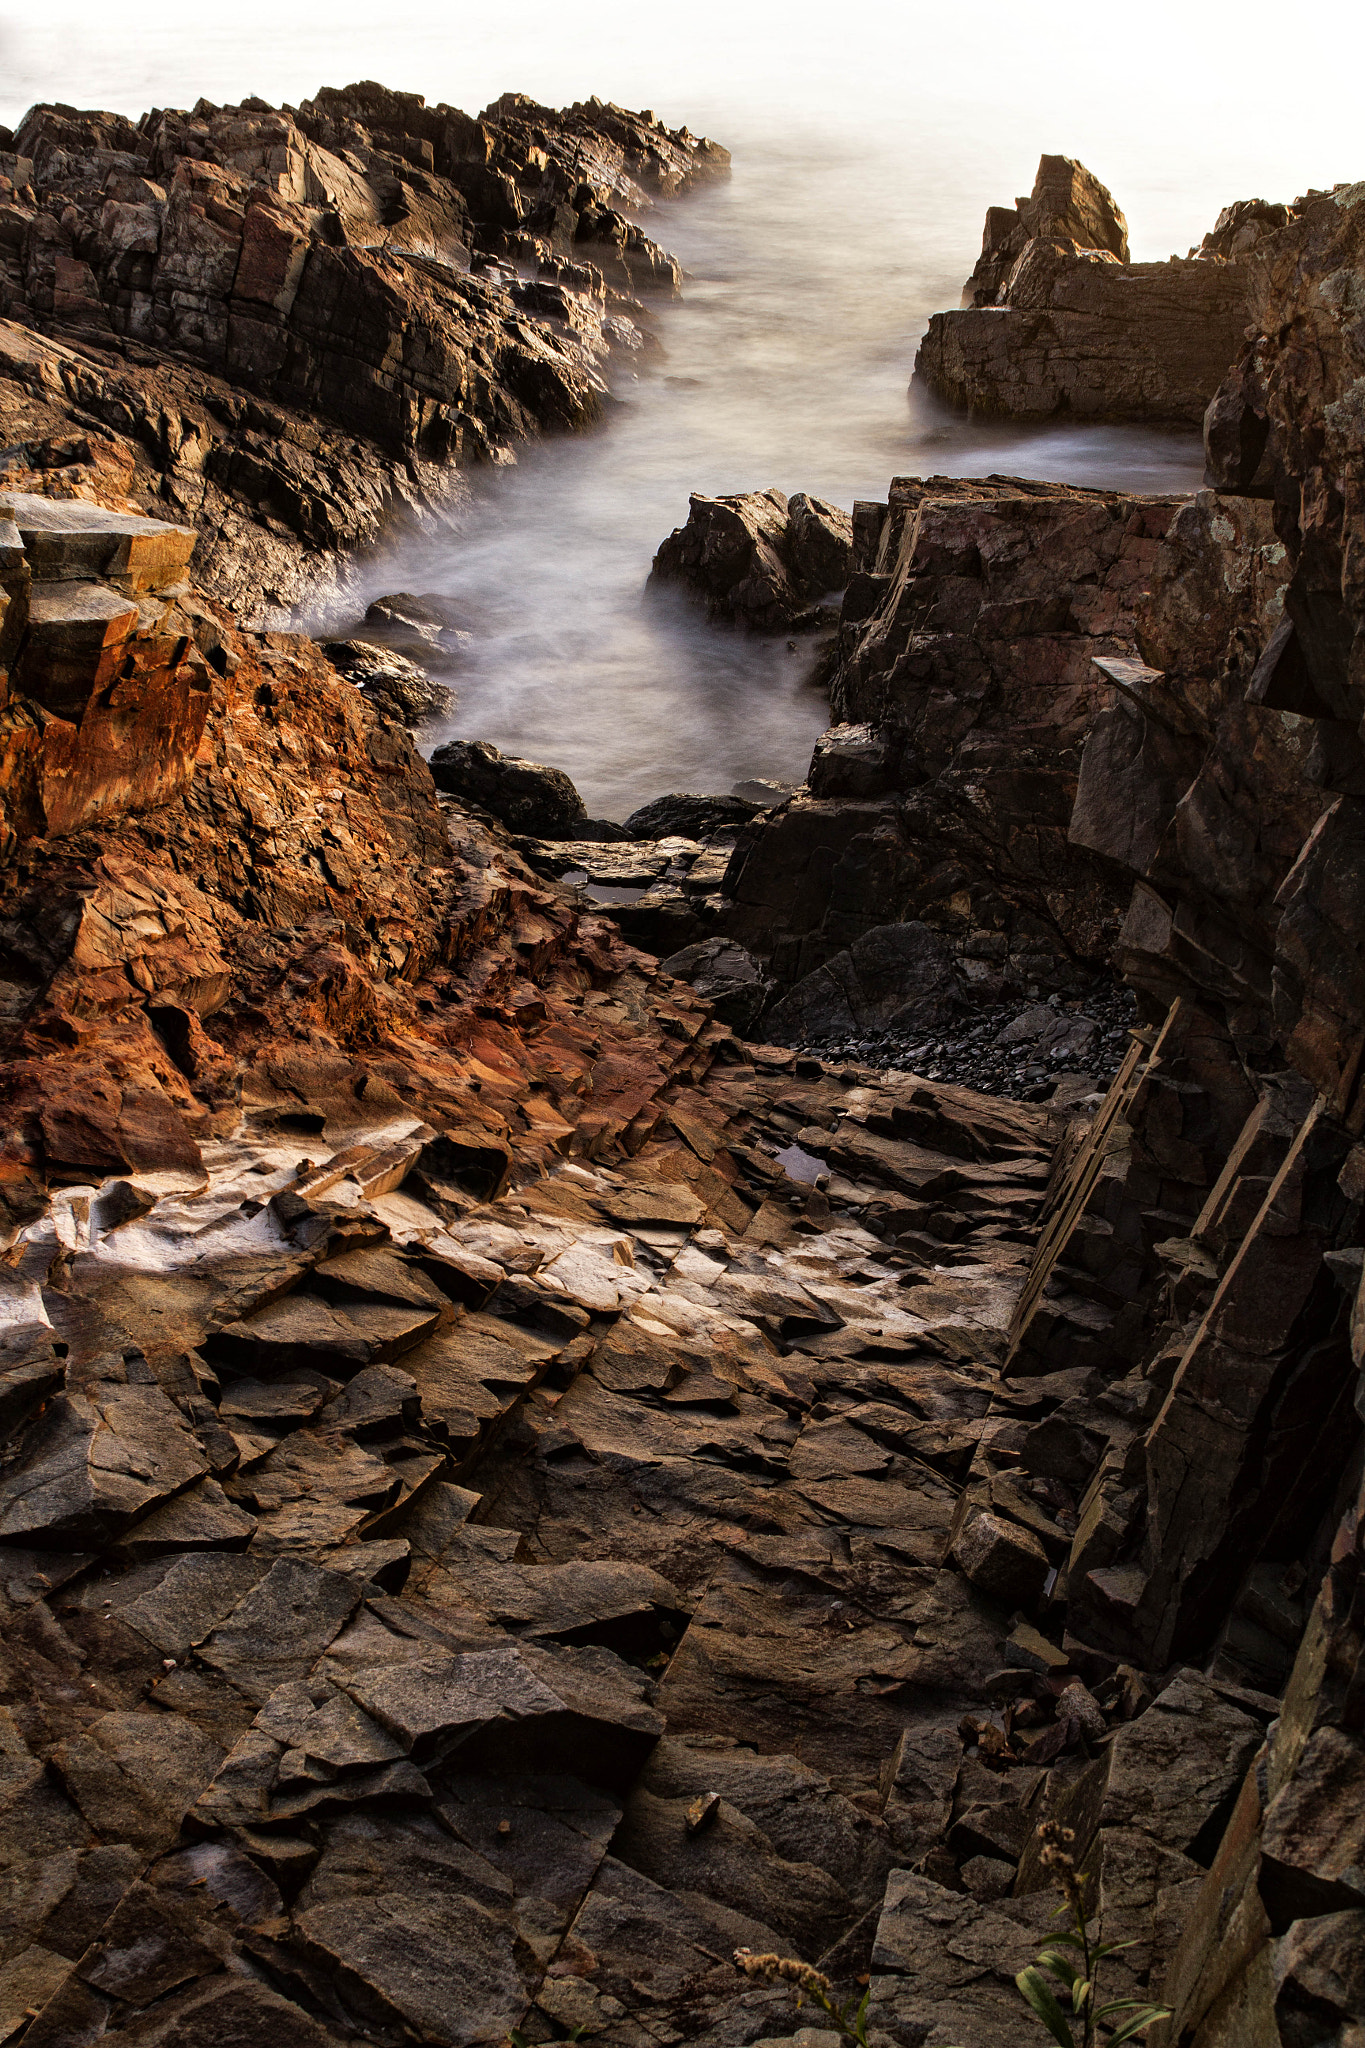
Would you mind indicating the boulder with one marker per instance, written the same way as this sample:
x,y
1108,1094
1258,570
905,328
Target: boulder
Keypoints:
x,y
727,977
525,796
396,686
687,816
759,559
896,977
1002,1560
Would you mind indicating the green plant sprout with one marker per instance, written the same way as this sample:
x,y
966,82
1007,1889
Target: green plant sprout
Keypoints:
x,y
1072,1959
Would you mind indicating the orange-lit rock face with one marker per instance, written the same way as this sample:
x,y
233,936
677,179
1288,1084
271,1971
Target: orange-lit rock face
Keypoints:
x,y
106,694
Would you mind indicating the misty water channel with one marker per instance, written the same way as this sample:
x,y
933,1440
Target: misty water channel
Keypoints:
x,y
787,362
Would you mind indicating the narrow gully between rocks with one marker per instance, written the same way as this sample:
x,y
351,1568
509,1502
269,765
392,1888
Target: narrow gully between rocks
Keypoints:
x,y
786,361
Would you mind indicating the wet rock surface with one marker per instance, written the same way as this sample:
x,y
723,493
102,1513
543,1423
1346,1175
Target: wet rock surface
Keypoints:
x,y
515,1485
759,558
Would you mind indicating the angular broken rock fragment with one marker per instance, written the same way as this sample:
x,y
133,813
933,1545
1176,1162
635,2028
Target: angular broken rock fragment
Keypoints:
x,y
1002,1559
201,1518
1313,1838
395,685
732,1862
1168,1774
583,1709
950,1960
525,796
758,558
280,1627
896,977
135,1775
305,1330
726,976
93,1461
175,1602
390,1905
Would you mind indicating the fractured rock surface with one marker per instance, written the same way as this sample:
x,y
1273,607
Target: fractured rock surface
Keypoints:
x,y
280,325
510,1491
1055,319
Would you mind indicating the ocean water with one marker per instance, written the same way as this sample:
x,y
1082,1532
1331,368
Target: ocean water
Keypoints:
x,y
786,363
866,149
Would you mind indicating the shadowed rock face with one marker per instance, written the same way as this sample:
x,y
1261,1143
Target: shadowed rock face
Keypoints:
x,y
1057,320
965,685
323,303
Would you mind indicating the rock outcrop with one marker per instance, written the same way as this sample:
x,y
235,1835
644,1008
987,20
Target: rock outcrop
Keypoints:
x,y
1056,320
760,559
510,1493
525,796
282,324
965,687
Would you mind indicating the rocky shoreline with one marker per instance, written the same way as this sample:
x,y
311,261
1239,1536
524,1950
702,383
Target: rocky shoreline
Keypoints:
x,y
290,325
516,1483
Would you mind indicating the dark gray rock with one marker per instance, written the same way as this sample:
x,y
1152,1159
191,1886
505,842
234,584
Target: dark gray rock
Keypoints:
x,y
416,1928
895,977
93,1461
525,796
851,760
280,1627
759,559
135,1775
729,978
819,545
390,681
687,816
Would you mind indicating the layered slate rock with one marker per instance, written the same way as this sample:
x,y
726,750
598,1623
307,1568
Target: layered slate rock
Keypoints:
x,y
1057,320
759,558
107,691
328,305
964,690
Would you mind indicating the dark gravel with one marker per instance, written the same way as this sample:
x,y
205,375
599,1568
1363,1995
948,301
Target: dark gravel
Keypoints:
x,y
972,1056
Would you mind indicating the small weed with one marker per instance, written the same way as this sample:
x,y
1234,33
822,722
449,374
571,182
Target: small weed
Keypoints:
x,y
850,2020
1072,1960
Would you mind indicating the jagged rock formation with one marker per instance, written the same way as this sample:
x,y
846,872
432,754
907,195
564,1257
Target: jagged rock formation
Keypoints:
x,y
1068,209
280,324
509,1493
965,689
1055,319
525,796
759,559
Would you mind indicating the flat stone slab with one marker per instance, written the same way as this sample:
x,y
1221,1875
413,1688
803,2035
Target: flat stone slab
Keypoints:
x,y
66,538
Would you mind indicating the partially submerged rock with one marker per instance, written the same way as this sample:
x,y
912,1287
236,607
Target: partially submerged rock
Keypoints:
x,y
758,558
525,796
1056,319
396,686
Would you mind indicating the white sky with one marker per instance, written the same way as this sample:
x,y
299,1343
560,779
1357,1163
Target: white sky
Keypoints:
x,y
1178,104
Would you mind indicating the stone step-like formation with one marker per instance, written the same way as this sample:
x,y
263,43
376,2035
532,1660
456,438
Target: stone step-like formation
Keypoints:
x,y
105,693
